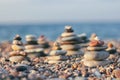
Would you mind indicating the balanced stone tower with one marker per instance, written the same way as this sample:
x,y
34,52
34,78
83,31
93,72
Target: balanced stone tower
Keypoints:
x,y
112,51
18,54
57,54
70,41
42,41
32,48
84,41
96,54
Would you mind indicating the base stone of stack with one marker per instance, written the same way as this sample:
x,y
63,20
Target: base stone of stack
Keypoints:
x,y
96,55
16,58
93,63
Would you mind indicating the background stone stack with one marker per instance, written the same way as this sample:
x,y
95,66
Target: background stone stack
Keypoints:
x,y
96,54
70,41
83,41
57,54
18,54
32,48
43,42
112,51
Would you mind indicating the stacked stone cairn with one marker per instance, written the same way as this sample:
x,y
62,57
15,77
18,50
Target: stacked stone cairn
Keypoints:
x,y
112,51
70,42
18,54
84,41
42,41
57,54
32,48
96,54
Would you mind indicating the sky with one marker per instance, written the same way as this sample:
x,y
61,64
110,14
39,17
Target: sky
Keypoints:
x,y
51,11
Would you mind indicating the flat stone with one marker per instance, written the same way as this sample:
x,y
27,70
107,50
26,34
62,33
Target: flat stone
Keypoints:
x,y
27,47
96,55
70,47
72,38
96,48
74,52
21,67
67,34
92,63
57,58
16,58
58,52
17,47
34,50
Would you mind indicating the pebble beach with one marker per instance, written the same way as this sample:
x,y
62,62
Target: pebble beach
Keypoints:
x,y
64,58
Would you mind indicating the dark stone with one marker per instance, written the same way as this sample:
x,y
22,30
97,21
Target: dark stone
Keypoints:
x,y
18,38
21,68
32,43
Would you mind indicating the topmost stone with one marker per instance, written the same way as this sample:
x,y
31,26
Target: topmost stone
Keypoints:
x,y
68,29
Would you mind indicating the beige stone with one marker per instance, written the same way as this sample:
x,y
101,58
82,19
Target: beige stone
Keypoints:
x,y
17,47
65,34
70,47
56,58
16,58
96,48
71,38
93,63
74,52
58,52
96,55
32,46
52,62
34,50
33,55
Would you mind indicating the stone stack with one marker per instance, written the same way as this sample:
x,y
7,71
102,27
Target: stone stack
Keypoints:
x,y
112,51
42,41
57,54
70,41
83,41
96,54
32,48
18,54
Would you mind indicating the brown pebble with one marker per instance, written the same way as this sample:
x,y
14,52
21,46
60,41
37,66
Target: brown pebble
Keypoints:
x,y
116,73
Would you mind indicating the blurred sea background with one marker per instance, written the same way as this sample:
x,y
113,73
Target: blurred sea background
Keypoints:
x,y
52,31
41,17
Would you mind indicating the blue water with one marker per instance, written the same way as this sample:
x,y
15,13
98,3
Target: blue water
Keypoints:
x,y
52,31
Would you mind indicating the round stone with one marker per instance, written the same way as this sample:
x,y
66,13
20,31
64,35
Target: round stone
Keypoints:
x,y
16,58
70,47
58,52
92,63
96,55
65,34
96,48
